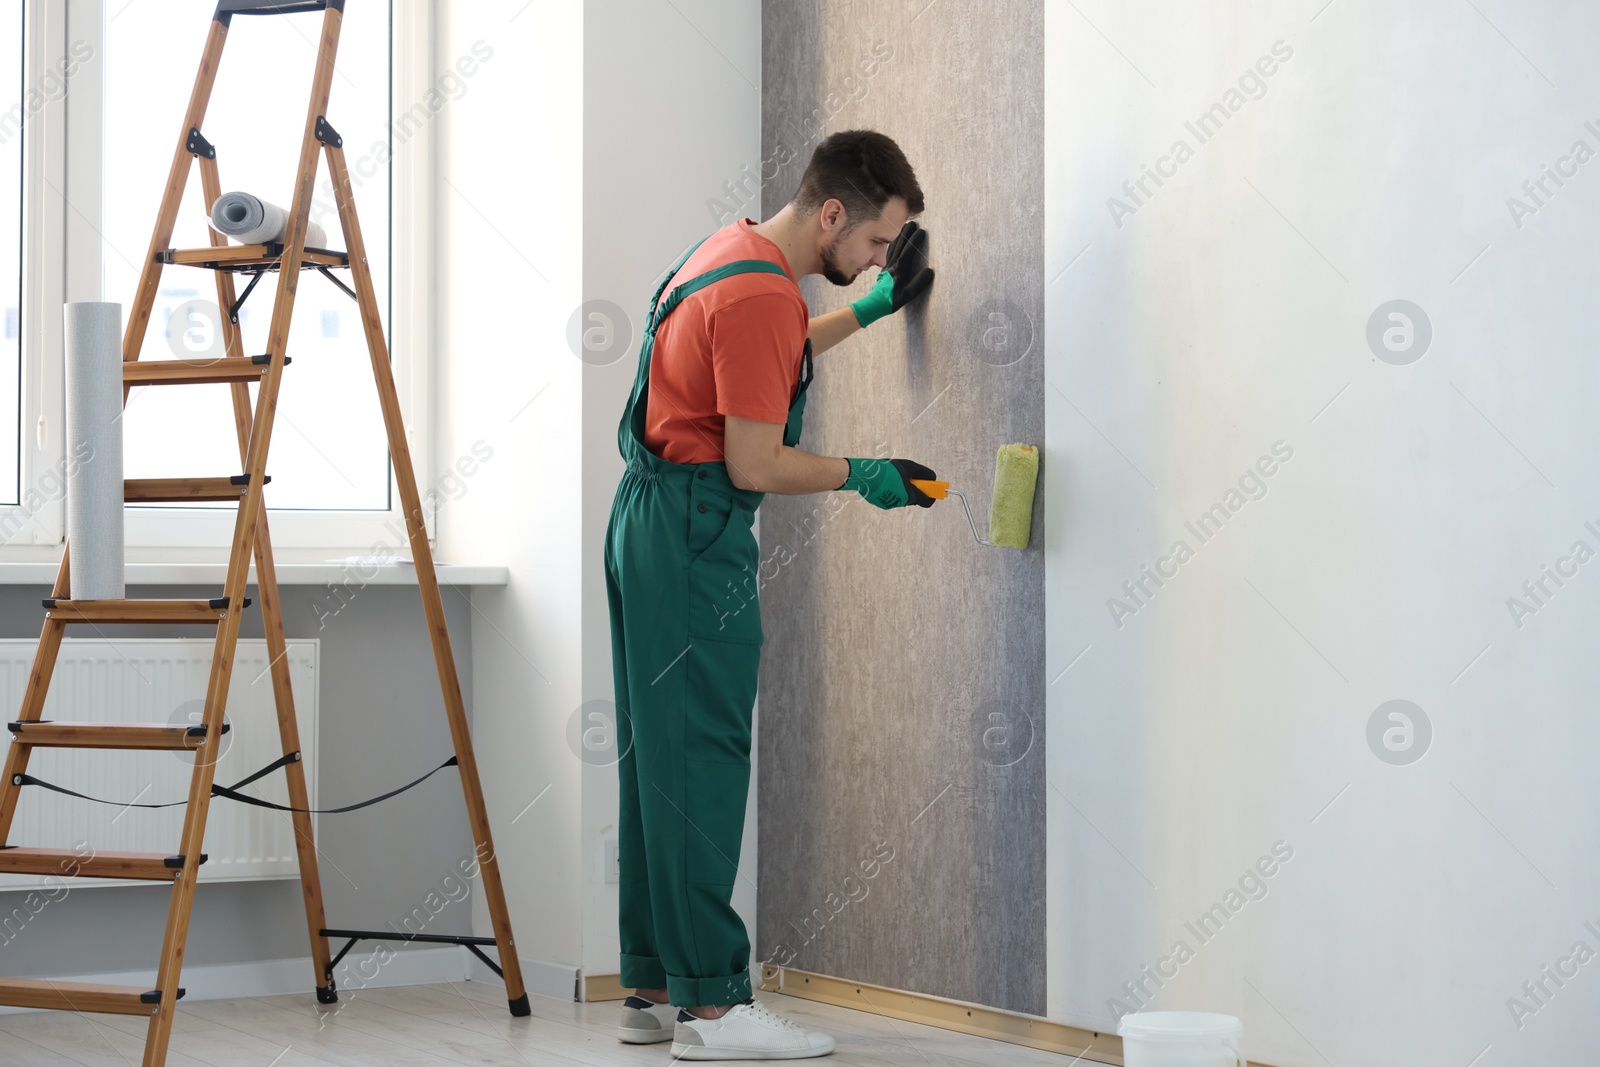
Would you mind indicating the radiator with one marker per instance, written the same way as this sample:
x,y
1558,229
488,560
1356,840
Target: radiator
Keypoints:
x,y
161,680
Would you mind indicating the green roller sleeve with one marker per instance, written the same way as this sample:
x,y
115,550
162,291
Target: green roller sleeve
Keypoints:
x,y
1016,472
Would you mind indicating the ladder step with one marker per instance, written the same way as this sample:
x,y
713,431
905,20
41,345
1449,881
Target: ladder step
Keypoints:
x,y
248,257
195,371
150,490
227,8
80,996
154,736
190,611
67,863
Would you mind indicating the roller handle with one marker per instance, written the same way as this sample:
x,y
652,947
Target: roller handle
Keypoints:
x,y
942,491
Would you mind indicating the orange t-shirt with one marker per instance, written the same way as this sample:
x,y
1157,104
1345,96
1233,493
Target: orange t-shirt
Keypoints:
x,y
731,348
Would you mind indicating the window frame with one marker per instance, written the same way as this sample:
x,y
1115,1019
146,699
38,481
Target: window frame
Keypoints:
x,y
37,522
61,261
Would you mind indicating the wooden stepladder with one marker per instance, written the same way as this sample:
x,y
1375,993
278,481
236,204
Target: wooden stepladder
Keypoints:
x,y
250,540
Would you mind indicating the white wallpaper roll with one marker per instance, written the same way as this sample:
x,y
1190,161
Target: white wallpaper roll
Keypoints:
x,y
94,433
251,220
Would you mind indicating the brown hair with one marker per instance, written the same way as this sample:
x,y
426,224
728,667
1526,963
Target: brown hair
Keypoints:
x,y
862,169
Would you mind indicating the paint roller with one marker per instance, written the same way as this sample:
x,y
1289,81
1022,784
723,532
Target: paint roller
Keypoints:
x,y
1016,472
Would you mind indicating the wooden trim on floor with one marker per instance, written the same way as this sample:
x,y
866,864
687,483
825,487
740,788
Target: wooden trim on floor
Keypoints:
x,y
602,987
975,1019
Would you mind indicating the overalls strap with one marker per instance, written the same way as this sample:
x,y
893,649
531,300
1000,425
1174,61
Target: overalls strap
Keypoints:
x,y
700,281
676,267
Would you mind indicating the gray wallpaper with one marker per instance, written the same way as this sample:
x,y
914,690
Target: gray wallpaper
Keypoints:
x,y
902,788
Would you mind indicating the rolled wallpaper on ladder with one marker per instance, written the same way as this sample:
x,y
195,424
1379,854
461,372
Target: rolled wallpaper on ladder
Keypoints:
x,y
248,220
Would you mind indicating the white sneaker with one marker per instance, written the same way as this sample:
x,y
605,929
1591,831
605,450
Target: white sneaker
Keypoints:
x,y
644,1022
748,1031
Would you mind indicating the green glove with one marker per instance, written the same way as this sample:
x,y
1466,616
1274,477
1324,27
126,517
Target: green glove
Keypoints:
x,y
906,277
886,483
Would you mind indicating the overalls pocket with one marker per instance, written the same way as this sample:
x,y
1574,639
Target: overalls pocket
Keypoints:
x,y
709,513
722,579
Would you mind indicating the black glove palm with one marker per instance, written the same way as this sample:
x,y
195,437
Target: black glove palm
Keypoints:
x,y
908,262
905,278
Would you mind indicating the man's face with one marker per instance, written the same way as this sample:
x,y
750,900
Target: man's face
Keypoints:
x,y
847,249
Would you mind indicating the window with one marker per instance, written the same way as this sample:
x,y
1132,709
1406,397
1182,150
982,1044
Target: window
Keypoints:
x,y
12,121
135,67
35,72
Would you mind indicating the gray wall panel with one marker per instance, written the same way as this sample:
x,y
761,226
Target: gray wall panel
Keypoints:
x,y
895,645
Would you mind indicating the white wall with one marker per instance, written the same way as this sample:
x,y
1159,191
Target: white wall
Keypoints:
x,y
510,238
1227,313
671,114
591,141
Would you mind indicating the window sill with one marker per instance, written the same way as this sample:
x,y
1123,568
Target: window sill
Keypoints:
x,y
452,574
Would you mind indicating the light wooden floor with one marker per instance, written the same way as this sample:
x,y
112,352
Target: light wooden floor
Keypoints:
x,y
450,1025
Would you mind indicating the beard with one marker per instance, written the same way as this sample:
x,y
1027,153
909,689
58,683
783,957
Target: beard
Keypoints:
x,y
830,263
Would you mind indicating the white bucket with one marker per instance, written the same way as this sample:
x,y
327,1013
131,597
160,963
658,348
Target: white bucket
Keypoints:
x,y
1180,1039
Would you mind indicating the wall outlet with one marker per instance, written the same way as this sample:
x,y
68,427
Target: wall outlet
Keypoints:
x,y
609,863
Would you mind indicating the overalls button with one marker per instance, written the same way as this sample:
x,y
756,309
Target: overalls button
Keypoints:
x,y
702,509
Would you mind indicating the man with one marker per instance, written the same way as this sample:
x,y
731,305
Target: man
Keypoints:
x,y
710,427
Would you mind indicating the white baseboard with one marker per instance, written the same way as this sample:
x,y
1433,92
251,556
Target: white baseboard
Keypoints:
x,y
410,964
558,981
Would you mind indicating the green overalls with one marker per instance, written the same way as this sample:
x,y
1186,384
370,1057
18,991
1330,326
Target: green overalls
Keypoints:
x,y
686,637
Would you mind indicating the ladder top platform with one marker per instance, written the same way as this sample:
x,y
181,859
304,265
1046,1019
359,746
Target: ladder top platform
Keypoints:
x,y
250,257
